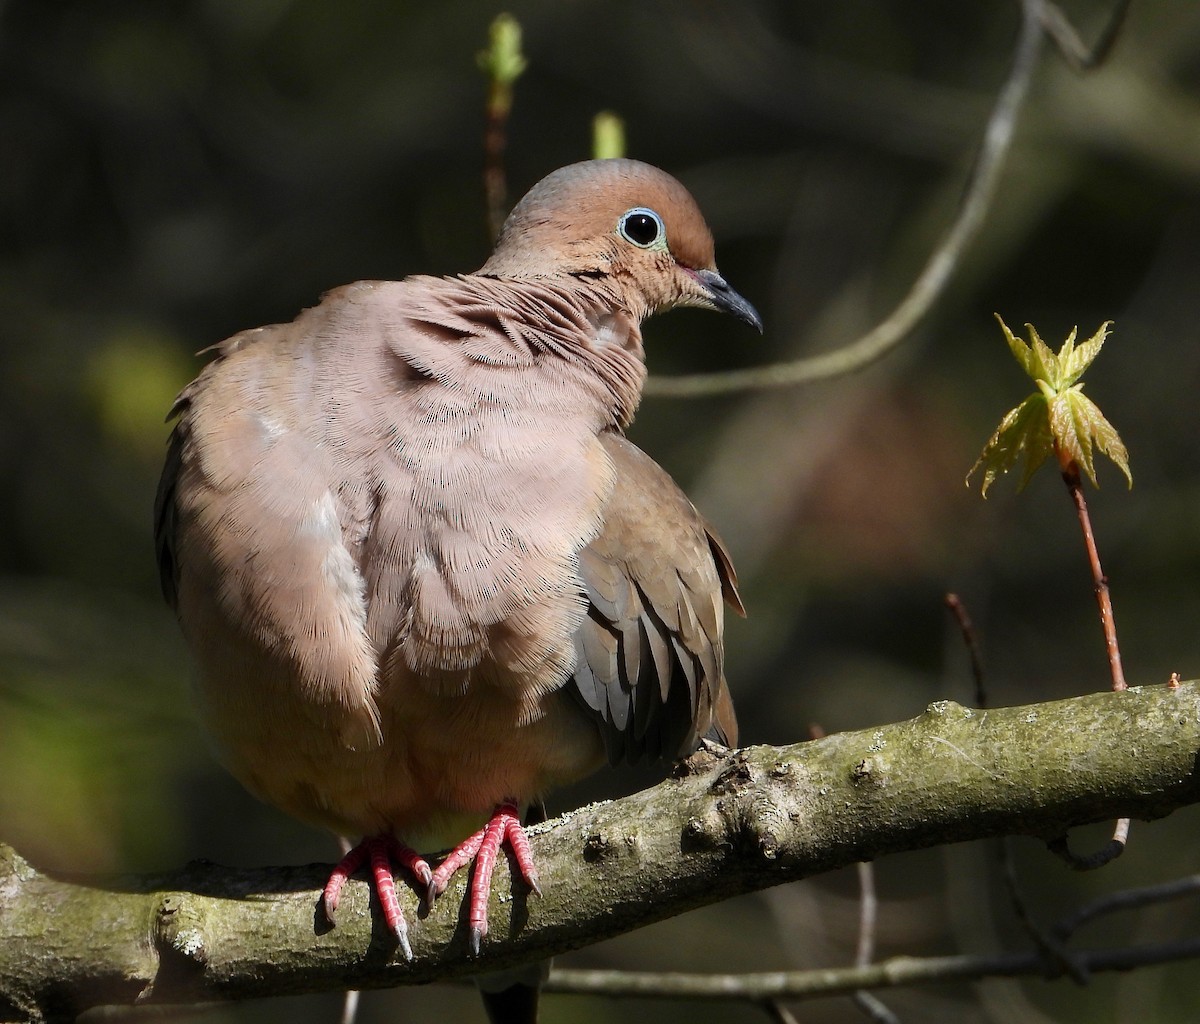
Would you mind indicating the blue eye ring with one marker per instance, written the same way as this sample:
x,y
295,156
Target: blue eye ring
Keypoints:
x,y
642,227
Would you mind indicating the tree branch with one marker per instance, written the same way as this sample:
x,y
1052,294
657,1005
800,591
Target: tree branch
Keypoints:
x,y
930,283
898,972
723,824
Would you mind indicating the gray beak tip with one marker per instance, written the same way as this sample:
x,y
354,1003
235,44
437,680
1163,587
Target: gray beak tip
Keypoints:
x,y
727,300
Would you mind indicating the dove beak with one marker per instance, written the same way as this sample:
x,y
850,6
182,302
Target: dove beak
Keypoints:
x,y
726,299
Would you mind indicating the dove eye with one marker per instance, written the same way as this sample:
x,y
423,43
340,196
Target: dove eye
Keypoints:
x,y
644,228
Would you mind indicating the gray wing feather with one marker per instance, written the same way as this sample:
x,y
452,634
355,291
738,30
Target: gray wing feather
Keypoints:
x,y
650,668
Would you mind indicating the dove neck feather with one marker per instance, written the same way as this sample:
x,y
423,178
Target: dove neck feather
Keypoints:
x,y
580,320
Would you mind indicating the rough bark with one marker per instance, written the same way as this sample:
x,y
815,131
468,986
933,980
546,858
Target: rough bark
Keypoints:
x,y
722,824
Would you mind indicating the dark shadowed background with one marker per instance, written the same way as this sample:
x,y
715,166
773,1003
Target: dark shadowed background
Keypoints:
x,y
173,172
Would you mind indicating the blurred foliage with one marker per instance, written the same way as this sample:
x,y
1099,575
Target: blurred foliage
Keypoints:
x,y
608,136
174,172
502,61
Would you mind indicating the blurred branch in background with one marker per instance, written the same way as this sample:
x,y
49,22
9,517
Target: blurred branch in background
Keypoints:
x,y
868,904
1036,16
895,973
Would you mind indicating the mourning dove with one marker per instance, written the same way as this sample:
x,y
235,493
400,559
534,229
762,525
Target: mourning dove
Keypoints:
x,y
424,575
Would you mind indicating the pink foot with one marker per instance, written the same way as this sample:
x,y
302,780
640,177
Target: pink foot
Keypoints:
x,y
483,848
380,851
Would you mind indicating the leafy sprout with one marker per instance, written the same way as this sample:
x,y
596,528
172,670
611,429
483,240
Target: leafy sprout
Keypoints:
x,y
1056,419
503,61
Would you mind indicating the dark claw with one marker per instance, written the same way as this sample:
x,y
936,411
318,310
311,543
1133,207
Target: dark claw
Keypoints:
x,y
475,940
429,891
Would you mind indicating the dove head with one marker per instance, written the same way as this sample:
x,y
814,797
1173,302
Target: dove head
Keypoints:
x,y
622,222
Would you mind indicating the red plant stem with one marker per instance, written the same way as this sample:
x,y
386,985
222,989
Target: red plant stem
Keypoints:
x,y
1070,474
495,141
1099,580
956,607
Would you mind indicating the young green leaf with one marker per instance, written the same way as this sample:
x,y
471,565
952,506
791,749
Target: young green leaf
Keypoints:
x,y
1056,419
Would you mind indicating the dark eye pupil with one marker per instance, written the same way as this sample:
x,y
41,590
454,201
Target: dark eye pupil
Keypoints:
x,y
641,228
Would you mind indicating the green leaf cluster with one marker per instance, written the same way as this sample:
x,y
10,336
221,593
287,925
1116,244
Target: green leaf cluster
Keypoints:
x,y
1057,418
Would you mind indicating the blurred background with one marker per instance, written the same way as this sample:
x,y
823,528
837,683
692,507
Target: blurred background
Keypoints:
x,y
171,173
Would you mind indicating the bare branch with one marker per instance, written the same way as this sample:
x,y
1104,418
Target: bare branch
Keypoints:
x,y
874,1008
835,981
966,627
868,911
1108,621
1110,851
1049,943
1071,47
779,1013
1127,899
876,343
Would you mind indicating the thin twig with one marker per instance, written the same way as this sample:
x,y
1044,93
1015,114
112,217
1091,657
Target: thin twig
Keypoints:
x,y
1120,838
868,908
929,285
495,183
779,1012
1099,580
868,916
768,988
1047,942
1109,852
1038,18
868,913
954,603
1127,899
834,981
350,1007
1052,947
1078,56
874,1008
